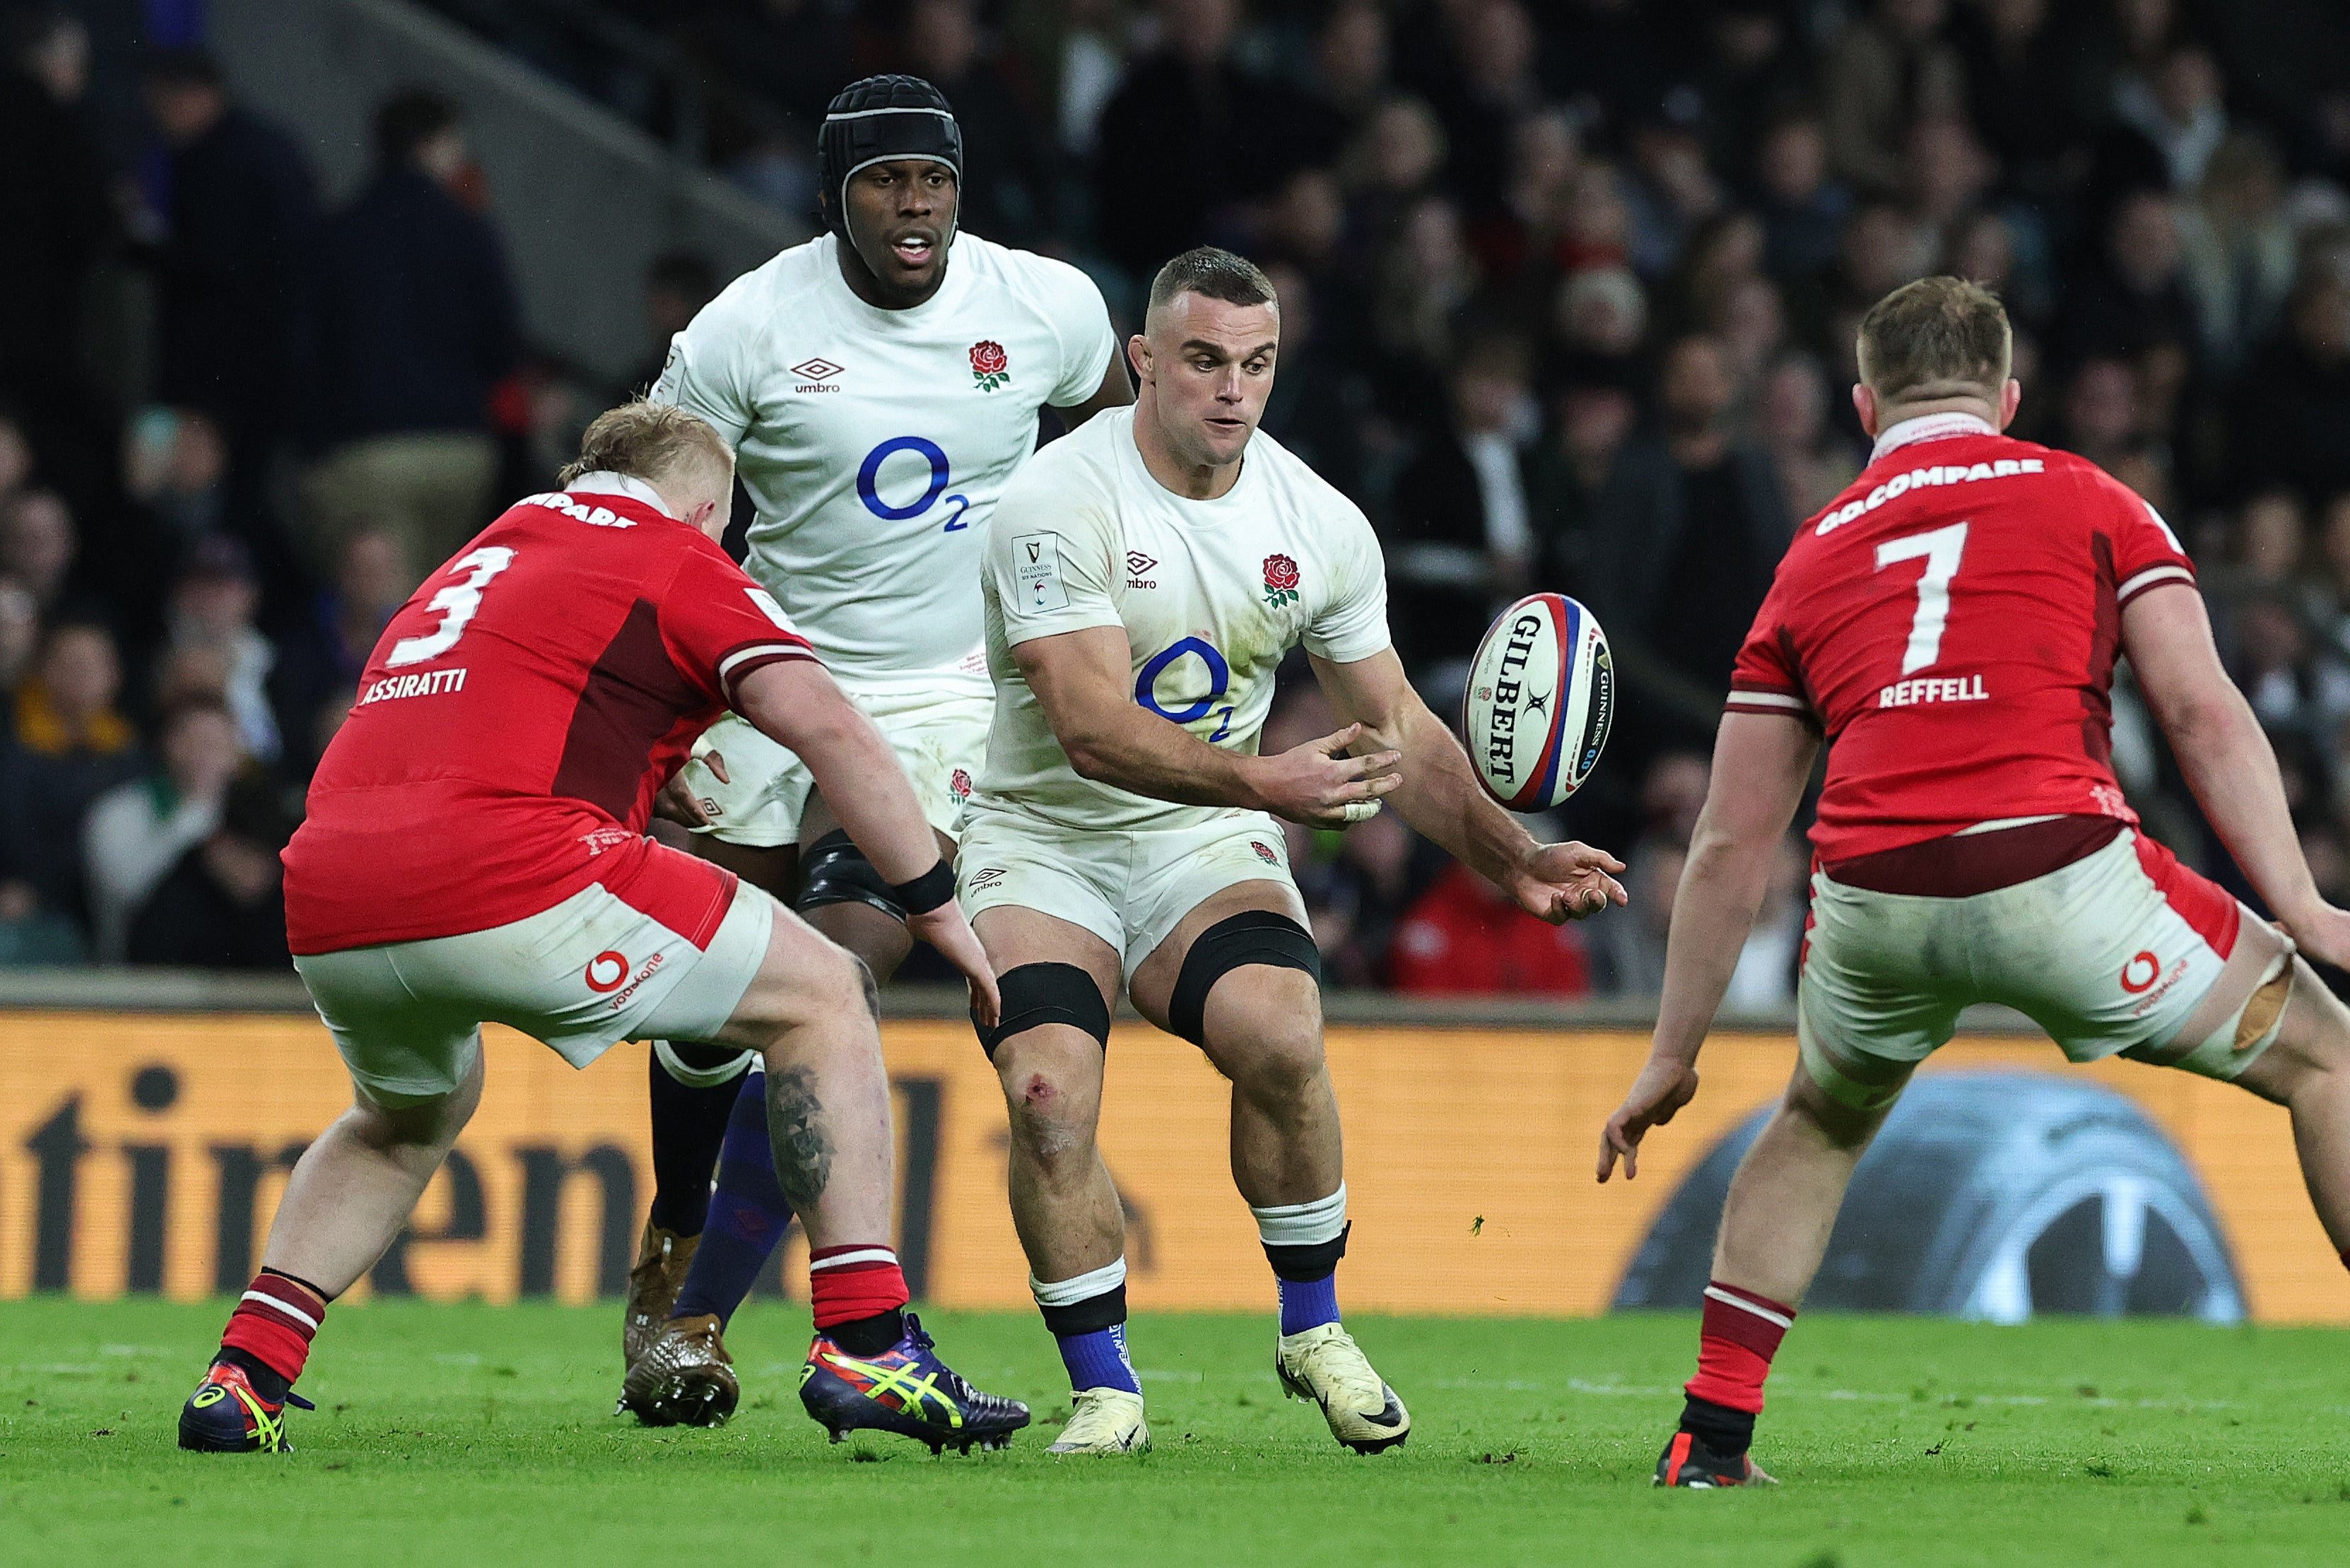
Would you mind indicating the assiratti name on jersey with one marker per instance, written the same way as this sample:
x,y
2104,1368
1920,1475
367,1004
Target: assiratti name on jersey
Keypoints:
x,y
1901,484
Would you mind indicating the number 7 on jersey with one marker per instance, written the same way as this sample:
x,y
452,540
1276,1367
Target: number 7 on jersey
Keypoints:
x,y
1942,547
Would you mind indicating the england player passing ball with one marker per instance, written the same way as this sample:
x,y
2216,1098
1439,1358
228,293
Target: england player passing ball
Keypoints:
x,y
1145,577
880,384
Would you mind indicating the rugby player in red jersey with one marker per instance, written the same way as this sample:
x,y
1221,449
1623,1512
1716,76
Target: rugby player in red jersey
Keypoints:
x,y
475,851
1950,626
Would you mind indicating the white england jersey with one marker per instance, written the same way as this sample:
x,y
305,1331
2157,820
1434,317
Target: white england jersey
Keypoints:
x,y
875,442
1210,594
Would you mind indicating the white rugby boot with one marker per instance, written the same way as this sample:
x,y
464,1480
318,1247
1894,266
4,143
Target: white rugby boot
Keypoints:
x,y
1325,1365
1103,1421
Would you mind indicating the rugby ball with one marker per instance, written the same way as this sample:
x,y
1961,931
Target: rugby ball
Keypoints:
x,y
1542,693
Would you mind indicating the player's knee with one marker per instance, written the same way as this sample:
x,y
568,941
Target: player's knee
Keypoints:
x,y
1037,994
839,983
1251,937
1282,1064
1828,1120
418,1125
1052,1114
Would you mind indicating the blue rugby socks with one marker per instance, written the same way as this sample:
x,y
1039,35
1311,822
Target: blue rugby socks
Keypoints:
x,y
748,1214
1303,1242
1087,1317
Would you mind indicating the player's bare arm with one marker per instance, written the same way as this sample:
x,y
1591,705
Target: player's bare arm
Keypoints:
x,y
1437,793
797,705
1761,764
1083,680
2227,760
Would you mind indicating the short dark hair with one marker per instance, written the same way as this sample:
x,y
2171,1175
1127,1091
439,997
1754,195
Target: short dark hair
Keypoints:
x,y
408,119
1213,274
1936,338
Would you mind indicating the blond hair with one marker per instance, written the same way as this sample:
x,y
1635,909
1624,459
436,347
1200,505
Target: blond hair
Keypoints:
x,y
1936,338
647,440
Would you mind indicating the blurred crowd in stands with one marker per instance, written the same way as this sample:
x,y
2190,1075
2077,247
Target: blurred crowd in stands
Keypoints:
x,y
1568,294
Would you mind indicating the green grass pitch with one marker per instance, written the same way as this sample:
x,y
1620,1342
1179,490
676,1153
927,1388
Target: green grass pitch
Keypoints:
x,y
461,1435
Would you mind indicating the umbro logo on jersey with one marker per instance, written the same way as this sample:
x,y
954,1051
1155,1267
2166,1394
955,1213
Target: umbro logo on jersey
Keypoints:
x,y
814,374
1137,570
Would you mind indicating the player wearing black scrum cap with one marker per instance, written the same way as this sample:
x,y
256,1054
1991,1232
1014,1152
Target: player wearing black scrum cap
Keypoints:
x,y
880,384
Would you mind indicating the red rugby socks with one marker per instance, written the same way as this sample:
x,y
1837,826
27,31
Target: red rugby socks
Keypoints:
x,y
270,1332
859,1293
1740,1336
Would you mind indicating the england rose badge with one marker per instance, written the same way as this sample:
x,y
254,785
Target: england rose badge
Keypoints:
x,y
990,366
1280,581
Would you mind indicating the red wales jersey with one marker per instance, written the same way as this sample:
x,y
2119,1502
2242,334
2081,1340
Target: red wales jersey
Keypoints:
x,y
516,720
1950,622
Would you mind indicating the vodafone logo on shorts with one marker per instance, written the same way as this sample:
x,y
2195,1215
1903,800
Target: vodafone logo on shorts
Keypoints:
x,y
607,971
2142,971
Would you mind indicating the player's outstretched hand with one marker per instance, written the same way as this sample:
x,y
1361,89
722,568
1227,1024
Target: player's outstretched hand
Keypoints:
x,y
2322,934
1318,784
1563,882
1656,1096
945,929
678,803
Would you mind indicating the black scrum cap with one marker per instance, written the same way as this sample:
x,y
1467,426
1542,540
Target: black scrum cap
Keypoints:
x,y
875,120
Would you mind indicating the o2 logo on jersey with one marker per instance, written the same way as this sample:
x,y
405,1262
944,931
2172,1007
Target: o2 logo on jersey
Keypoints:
x,y
869,483
2142,971
605,971
1219,678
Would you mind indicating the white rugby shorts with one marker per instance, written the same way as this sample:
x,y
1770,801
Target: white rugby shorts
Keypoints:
x,y
941,738
2124,951
582,976
1129,889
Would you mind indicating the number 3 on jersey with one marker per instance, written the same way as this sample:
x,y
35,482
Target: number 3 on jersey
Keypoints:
x,y
1942,547
869,483
457,604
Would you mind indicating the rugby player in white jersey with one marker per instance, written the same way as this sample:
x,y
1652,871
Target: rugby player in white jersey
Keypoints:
x,y
1145,577
880,384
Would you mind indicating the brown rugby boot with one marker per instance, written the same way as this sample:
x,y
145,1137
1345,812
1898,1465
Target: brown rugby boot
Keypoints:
x,y
685,1379
662,1258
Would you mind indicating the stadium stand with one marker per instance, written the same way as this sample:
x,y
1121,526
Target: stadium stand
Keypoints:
x,y
1569,291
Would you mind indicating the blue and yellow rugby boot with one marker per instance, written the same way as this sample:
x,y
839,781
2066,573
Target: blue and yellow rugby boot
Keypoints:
x,y
224,1416
906,1389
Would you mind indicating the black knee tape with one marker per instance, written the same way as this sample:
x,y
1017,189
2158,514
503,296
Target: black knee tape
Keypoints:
x,y
1254,936
1038,994
833,871
1314,1261
1090,1315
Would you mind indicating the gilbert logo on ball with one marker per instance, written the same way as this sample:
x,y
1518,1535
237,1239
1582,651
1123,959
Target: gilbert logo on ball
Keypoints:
x,y
1540,697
